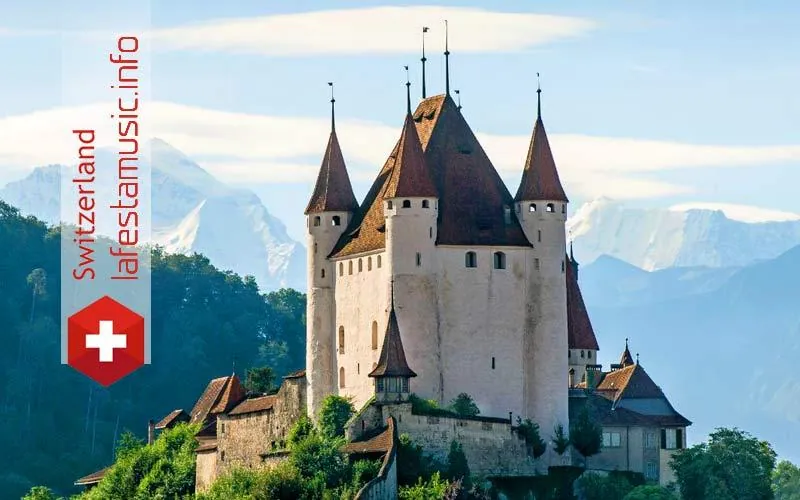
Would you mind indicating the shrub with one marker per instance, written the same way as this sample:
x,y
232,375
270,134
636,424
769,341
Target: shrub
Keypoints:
x,y
412,463
320,455
299,431
457,466
586,435
560,440
464,406
434,488
651,492
601,487
529,431
334,414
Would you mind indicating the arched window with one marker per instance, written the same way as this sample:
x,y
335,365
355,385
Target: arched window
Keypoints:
x,y
499,260
369,263
374,335
341,340
322,273
563,208
406,203
341,377
336,221
317,221
551,207
426,204
350,267
589,354
532,207
389,204
360,265
341,269
582,354
379,261
471,259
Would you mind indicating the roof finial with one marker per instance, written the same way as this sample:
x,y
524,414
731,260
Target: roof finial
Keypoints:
x,y
233,369
637,358
424,30
408,91
538,97
391,293
333,121
458,95
571,255
626,342
446,60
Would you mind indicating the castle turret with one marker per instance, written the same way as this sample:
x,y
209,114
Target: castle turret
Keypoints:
x,y
541,205
411,212
327,215
392,374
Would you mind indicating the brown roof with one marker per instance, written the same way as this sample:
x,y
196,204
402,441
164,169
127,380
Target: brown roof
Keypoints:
x,y
410,175
472,196
93,478
333,191
630,382
607,414
206,445
174,417
380,443
579,327
540,177
220,395
392,362
252,405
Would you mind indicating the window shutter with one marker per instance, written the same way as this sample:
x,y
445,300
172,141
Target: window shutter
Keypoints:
x,y
663,439
679,439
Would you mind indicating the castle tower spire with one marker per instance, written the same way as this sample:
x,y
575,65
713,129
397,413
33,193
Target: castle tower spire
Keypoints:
x,y
392,372
408,92
540,179
446,60
626,359
333,191
424,30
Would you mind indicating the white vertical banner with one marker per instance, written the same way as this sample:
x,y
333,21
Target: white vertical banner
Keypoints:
x,y
105,190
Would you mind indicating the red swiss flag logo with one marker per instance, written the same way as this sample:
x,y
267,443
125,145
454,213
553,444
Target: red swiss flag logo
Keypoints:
x,y
106,341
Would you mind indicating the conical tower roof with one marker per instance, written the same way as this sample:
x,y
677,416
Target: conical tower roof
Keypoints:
x,y
333,191
410,176
540,179
626,359
392,362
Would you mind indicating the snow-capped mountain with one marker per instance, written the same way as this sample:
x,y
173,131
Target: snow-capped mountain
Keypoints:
x,y
192,212
659,238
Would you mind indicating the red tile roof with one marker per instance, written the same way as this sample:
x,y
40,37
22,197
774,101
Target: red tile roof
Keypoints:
x,y
220,395
93,478
253,405
580,333
174,417
540,177
206,445
472,196
631,381
410,176
380,443
392,362
333,191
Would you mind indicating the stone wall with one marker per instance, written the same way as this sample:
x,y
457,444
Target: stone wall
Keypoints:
x,y
206,470
492,448
250,439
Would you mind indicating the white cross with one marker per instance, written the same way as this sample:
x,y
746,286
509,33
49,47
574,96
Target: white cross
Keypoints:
x,y
106,341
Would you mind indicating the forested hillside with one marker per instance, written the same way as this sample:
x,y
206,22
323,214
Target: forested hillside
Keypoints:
x,y
57,425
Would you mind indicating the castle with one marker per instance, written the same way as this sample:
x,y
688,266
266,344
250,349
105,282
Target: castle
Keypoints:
x,y
441,283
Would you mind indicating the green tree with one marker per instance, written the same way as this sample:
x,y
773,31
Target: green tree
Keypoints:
x,y
433,488
786,481
732,464
457,465
650,492
560,440
37,280
127,443
603,487
260,380
413,463
41,493
529,431
301,429
334,414
585,435
463,405
321,455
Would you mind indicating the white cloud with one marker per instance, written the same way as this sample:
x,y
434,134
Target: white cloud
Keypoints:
x,y
744,213
249,148
373,30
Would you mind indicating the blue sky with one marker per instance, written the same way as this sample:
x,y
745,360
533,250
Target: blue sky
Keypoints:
x,y
679,74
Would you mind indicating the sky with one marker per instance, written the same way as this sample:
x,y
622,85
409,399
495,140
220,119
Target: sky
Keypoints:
x,y
658,104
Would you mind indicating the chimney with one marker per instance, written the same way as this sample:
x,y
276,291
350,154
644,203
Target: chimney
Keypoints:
x,y
151,431
593,375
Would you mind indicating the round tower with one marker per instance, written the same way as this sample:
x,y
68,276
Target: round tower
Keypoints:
x,y
541,205
328,214
411,212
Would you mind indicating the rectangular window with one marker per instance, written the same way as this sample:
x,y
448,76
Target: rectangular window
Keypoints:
x,y
612,440
379,381
536,264
672,442
419,259
671,439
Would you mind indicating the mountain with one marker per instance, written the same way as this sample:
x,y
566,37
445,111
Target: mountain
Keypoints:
x,y
658,238
191,212
723,344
